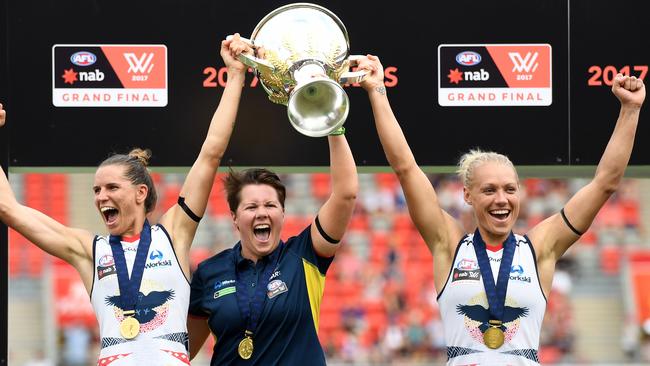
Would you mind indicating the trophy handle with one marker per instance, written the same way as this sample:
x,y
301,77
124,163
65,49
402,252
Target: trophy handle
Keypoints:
x,y
259,64
352,77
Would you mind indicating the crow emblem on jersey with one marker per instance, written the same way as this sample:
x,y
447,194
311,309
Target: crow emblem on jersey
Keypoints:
x,y
148,306
480,314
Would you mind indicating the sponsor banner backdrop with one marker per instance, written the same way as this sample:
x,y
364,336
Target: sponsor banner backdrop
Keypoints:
x,y
109,75
499,75
494,75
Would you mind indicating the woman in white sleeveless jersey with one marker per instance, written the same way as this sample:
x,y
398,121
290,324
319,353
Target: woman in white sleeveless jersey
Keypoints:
x,y
492,284
137,276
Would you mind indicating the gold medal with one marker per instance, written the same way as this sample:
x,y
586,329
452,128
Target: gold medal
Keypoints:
x,y
493,336
245,348
129,327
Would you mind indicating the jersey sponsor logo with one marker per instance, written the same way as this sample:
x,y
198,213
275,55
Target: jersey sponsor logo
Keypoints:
x,y
275,288
155,254
106,266
517,274
517,268
220,284
224,291
460,275
163,263
466,269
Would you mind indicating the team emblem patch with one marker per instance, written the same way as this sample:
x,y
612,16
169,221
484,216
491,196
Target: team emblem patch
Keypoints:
x,y
275,288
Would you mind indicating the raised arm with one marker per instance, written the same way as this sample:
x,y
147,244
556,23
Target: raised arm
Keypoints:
x,y
197,185
440,231
553,236
72,245
335,214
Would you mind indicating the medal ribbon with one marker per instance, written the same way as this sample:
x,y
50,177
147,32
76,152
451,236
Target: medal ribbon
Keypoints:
x,y
251,308
129,287
496,294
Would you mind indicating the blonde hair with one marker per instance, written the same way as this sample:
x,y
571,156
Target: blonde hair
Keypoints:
x,y
477,157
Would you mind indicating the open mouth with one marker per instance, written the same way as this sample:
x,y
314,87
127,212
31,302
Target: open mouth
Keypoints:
x,y
500,214
262,232
110,214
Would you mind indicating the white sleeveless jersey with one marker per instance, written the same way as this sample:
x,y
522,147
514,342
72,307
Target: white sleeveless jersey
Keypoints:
x,y
162,306
464,308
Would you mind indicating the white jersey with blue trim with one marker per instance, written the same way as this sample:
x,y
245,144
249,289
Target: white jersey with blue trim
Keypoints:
x,y
163,299
465,315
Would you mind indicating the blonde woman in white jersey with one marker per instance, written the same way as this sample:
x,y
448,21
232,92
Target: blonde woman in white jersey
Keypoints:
x,y
488,321
137,277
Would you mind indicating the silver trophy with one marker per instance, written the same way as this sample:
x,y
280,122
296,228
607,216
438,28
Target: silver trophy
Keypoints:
x,y
305,61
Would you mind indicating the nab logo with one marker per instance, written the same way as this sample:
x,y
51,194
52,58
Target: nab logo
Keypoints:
x,y
468,58
91,75
524,64
456,76
83,58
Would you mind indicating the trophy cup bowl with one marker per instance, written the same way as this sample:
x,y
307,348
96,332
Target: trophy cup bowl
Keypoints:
x,y
304,64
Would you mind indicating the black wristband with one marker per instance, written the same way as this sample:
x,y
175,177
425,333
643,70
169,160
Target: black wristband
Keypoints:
x,y
323,234
566,221
192,215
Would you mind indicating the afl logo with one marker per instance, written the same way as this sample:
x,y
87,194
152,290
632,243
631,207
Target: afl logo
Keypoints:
x,y
468,58
106,260
83,58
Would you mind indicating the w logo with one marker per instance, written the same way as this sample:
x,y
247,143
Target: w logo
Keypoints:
x,y
139,65
524,64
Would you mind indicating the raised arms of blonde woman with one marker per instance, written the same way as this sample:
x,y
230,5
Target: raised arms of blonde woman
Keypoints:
x,y
554,236
439,230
